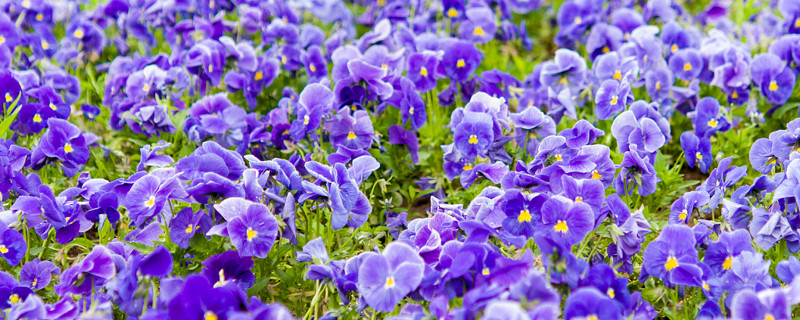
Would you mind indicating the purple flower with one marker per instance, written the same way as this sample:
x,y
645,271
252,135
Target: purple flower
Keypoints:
x,y
590,303
251,226
62,141
637,173
770,226
697,151
566,222
385,279
523,212
354,132
603,38
315,102
37,273
474,134
672,256
683,208
612,97
707,119
767,304
773,78
686,64
640,131
148,196
479,26
199,300
423,69
761,156
229,267
720,254
461,59
398,135
89,274
12,245
185,224
566,70
658,82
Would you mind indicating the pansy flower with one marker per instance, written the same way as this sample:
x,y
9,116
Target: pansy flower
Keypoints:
x,y
590,303
461,59
672,249
603,38
352,131
523,212
385,279
251,226
62,141
686,64
566,221
761,156
708,118
683,208
612,97
721,253
474,134
12,245
37,273
697,151
774,79
479,26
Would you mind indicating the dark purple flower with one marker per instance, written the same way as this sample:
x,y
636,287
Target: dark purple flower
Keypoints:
x,y
707,118
12,245
351,131
672,256
683,208
523,212
590,303
637,173
37,273
229,267
398,135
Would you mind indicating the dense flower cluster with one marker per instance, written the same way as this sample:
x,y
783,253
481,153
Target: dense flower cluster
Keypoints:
x,y
447,159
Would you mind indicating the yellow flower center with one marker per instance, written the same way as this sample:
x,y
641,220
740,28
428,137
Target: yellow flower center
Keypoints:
x,y
45,45
68,148
596,175
672,263
251,234
618,75
312,67
351,135
3,249
467,166
260,75
705,286
687,67
735,95
150,202
35,281
78,33
26,4
728,263
353,107
210,68
8,97
411,110
558,157
145,88
283,59
769,316
389,282
658,85
577,20
189,228
452,13
485,271
423,71
37,118
644,58
460,63
14,298
39,17
611,293
473,139
478,31
614,100
606,49
524,216
210,315
797,23
713,123
592,317
673,48
561,226
683,214
578,199
699,156
384,66
2,39
773,86
53,106
305,119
